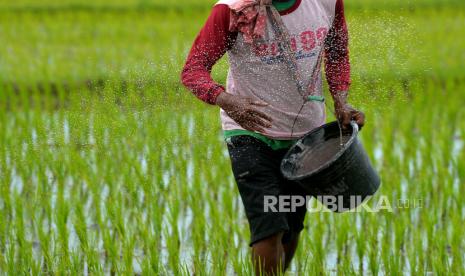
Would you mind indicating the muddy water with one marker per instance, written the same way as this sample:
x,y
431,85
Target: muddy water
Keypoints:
x,y
315,156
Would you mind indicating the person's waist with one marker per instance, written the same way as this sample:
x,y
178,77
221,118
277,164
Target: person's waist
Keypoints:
x,y
275,144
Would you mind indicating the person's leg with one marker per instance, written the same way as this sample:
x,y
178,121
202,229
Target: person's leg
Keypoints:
x,y
268,255
295,221
289,251
256,171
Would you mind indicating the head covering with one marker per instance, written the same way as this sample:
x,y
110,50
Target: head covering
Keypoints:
x,y
249,18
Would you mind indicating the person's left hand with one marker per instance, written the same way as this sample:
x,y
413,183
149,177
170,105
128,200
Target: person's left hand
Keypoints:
x,y
346,113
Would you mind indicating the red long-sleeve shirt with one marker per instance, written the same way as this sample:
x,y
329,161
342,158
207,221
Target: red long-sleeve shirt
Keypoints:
x,y
215,39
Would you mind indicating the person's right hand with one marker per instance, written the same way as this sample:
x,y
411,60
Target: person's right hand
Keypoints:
x,y
244,111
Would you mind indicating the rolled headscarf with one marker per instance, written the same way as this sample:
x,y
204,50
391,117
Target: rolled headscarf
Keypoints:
x,y
249,18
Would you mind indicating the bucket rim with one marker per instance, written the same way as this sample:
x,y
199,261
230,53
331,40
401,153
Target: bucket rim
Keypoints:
x,y
353,136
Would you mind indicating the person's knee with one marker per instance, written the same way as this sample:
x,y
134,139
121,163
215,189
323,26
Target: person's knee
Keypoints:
x,y
272,242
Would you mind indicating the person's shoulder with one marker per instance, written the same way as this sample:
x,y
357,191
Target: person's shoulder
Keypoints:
x,y
222,7
328,5
220,12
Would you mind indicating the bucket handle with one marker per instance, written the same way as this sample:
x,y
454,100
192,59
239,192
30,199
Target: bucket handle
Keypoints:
x,y
354,126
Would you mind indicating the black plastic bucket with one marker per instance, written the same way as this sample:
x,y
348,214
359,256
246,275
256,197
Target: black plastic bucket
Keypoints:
x,y
341,177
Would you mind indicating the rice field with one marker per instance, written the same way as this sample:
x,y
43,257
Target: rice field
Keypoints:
x,y
109,166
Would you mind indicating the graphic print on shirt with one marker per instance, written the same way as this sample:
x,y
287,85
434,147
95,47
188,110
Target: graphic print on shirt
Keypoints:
x,y
304,45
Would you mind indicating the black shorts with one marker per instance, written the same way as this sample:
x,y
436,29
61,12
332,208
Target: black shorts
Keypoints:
x,y
256,168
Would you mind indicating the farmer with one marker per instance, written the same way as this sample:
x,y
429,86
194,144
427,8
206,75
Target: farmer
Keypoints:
x,y
273,96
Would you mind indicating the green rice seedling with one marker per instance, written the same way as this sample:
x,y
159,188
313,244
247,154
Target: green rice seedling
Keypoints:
x,y
342,237
171,236
361,244
46,239
128,254
317,248
152,261
373,263
455,246
11,264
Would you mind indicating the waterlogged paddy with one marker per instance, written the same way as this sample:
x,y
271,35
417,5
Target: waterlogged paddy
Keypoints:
x,y
116,168
118,189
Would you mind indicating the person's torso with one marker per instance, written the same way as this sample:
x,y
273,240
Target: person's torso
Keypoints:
x,y
260,72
